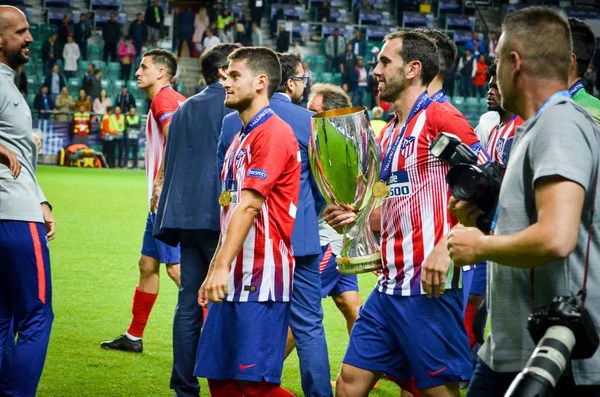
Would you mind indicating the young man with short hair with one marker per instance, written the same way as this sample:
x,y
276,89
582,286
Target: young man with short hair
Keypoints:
x,y
249,283
154,77
306,313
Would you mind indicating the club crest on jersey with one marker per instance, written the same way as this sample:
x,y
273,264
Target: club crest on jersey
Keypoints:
x,y
408,146
500,146
239,159
505,150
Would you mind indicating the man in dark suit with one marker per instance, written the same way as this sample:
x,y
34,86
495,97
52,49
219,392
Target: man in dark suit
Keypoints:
x,y
188,210
83,31
64,31
124,100
283,40
43,103
138,31
50,53
306,315
111,33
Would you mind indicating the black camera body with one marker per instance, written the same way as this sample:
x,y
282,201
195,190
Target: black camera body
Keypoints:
x,y
561,332
468,181
564,311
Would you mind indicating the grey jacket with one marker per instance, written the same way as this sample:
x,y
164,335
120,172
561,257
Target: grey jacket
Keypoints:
x,y
19,199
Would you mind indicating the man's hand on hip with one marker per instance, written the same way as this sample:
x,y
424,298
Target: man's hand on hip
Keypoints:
x,y
9,159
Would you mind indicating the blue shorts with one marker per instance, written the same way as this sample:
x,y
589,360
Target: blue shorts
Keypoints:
x,y
333,282
412,336
243,341
157,249
479,279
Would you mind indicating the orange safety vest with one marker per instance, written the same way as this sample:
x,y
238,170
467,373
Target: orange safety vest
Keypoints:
x,y
81,123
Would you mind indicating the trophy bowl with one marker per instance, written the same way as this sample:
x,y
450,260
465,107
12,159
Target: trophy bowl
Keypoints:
x,y
345,160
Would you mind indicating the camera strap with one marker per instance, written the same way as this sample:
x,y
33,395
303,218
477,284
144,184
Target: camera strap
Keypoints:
x,y
583,291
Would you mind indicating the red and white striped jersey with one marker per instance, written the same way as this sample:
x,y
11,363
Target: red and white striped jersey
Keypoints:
x,y
414,215
163,106
266,160
501,139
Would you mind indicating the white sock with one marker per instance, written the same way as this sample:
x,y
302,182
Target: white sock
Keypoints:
x,y
131,337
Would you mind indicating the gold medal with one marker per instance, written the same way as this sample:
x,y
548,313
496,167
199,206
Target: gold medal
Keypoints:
x,y
225,198
380,190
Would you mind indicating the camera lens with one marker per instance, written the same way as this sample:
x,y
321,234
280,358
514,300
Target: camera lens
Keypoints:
x,y
464,181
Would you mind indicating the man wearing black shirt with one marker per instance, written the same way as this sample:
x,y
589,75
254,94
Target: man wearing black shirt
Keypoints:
x,y
83,31
111,33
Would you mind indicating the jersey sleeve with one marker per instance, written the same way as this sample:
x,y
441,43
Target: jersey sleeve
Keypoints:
x,y
271,154
164,106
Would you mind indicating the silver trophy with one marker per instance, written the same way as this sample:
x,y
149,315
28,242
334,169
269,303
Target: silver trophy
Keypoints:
x,y
345,160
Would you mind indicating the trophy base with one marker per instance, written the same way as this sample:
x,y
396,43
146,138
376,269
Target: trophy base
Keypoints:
x,y
359,264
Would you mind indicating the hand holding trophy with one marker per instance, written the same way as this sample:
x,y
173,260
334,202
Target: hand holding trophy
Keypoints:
x,y
345,160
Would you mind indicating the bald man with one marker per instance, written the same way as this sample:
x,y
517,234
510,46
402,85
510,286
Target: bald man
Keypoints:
x,y
26,222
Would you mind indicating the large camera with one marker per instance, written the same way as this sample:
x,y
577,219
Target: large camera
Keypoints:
x,y
562,332
469,181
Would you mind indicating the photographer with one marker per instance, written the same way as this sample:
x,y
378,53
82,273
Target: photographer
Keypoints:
x,y
539,244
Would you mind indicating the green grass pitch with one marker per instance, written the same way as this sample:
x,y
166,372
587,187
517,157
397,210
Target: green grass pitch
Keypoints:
x,y
100,216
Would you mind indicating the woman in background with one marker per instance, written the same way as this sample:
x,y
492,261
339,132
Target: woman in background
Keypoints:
x,y
127,56
101,103
64,102
201,23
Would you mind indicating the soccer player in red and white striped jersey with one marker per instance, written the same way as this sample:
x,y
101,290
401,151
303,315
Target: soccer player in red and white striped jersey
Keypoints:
x,y
499,144
401,331
154,77
164,104
249,282
501,136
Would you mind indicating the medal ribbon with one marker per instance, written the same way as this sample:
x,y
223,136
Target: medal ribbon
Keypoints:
x,y
440,96
422,102
261,117
575,88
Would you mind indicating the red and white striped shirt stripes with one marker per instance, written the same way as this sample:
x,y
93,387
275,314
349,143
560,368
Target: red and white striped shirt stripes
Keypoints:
x,y
415,216
163,106
501,139
266,161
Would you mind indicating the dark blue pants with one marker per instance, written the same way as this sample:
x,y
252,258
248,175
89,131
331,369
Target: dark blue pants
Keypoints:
x,y
197,250
487,383
132,146
25,302
466,86
306,321
358,96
